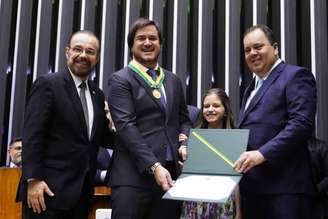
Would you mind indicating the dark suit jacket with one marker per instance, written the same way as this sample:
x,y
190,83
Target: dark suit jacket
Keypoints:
x,y
56,144
281,117
144,127
193,113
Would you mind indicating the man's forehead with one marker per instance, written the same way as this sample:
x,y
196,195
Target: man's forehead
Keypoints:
x,y
149,29
16,143
255,35
83,39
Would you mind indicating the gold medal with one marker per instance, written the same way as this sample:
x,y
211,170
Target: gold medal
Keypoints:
x,y
156,93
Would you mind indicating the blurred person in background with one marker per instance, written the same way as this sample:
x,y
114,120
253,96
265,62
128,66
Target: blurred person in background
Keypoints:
x,y
15,153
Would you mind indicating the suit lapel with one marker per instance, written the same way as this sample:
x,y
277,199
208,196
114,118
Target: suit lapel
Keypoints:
x,y
169,92
245,96
260,93
96,108
148,89
75,100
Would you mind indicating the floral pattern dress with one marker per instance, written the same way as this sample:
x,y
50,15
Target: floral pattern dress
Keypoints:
x,y
204,210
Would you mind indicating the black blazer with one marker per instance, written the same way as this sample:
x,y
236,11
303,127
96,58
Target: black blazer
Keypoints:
x,y
56,144
144,127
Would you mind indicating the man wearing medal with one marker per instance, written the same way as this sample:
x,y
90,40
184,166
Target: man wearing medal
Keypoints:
x,y
149,111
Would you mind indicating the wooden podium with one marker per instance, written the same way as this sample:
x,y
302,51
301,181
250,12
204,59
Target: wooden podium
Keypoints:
x,y
9,178
9,209
100,199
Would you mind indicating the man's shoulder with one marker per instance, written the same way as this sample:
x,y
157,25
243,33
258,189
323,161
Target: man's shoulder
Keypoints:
x,y
168,72
124,75
288,72
126,71
293,69
52,77
171,75
291,66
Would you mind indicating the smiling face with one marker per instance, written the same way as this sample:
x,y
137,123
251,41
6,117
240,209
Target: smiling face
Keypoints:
x,y
213,111
146,46
260,55
82,54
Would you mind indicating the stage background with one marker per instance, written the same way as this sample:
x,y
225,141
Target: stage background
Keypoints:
x,y
202,45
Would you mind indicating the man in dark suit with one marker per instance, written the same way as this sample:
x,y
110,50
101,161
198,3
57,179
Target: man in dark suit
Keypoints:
x,y
64,125
279,110
148,109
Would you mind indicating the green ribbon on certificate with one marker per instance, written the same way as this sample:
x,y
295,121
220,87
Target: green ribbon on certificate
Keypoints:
x,y
212,148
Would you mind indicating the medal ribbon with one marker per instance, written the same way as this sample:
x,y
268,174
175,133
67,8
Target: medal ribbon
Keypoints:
x,y
153,84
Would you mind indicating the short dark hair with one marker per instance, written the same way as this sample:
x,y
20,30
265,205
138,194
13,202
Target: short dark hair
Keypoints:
x,y
15,140
265,29
141,23
88,32
228,121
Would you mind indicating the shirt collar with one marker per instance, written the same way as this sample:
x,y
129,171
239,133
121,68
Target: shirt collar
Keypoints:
x,y
77,80
12,165
277,62
144,68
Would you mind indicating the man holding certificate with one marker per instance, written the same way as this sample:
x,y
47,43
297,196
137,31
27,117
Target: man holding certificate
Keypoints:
x,y
279,110
149,111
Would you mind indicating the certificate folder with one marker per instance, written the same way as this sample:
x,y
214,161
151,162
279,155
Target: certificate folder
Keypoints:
x,y
208,174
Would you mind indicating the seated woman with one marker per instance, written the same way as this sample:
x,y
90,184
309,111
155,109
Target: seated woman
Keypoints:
x,y
215,114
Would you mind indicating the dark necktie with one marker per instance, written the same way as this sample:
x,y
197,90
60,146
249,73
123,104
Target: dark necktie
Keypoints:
x,y
153,75
83,87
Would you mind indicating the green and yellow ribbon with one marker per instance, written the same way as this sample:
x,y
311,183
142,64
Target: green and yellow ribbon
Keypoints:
x,y
212,148
137,68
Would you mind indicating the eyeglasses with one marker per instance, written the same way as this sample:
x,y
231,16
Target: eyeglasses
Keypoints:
x,y
17,148
79,50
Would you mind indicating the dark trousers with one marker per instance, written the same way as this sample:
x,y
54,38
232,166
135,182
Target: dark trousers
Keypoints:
x,y
140,203
143,203
321,206
294,206
79,211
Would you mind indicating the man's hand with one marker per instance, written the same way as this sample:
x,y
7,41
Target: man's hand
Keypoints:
x,y
163,178
182,137
35,198
248,160
183,154
182,149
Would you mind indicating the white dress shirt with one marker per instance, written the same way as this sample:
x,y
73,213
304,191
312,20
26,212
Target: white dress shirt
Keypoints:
x,y
258,83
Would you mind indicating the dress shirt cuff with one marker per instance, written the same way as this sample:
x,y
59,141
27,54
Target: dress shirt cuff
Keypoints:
x,y
103,175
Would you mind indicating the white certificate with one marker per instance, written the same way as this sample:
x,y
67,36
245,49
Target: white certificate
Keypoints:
x,y
207,188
